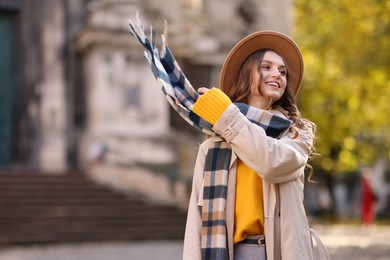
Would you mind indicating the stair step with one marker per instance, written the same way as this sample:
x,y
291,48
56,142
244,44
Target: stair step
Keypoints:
x,y
37,208
71,201
83,225
86,211
121,235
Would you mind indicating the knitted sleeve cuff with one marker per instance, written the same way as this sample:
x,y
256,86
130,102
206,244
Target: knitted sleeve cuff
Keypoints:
x,y
211,105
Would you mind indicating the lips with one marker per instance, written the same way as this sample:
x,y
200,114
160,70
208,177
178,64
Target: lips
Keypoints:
x,y
274,84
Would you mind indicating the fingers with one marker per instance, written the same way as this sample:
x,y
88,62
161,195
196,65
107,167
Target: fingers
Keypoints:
x,y
202,90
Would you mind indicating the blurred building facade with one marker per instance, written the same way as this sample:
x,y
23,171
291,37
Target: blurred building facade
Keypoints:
x,y
77,95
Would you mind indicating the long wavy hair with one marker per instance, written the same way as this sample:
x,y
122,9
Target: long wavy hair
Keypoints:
x,y
241,89
241,92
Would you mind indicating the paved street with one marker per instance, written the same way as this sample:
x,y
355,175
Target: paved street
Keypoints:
x,y
355,242
344,242
152,250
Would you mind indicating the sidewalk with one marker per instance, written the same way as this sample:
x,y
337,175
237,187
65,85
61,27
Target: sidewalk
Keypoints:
x,y
356,242
146,250
343,242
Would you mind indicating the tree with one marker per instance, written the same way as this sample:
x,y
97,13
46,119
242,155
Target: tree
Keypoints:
x,y
346,89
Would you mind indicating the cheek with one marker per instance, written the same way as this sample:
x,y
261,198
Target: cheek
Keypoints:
x,y
284,83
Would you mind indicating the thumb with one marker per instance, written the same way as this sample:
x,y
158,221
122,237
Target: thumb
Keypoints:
x,y
203,90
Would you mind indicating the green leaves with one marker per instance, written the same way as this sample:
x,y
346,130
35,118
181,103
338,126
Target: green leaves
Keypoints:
x,y
346,89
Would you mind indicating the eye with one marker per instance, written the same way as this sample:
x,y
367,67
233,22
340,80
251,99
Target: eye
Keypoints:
x,y
283,72
266,67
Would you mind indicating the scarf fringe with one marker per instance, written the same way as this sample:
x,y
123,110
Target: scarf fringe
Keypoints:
x,y
174,84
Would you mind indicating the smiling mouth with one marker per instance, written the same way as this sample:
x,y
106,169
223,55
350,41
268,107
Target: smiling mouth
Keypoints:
x,y
273,84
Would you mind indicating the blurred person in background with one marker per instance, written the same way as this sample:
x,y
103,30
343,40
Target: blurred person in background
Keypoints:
x,y
368,198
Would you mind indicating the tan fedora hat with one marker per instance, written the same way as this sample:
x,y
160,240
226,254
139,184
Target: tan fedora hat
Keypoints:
x,y
278,42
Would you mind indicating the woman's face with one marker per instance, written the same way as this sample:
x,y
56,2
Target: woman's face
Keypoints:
x,y
272,79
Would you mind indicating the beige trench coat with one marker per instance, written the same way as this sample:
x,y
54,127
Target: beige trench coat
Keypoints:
x,y
280,163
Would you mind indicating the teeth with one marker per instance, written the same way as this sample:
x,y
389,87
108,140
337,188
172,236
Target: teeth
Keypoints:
x,y
273,84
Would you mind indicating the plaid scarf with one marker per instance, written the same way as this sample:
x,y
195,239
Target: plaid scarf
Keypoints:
x,y
182,96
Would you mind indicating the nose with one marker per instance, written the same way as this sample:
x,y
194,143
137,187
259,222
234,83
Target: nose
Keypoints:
x,y
275,73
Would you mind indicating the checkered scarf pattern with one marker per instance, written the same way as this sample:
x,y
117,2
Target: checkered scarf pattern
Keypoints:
x,y
215,178
182,96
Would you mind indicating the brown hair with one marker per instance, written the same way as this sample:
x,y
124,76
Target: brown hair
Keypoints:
x,y
241,89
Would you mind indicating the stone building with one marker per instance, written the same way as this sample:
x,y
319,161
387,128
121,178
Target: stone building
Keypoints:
x,y
77,95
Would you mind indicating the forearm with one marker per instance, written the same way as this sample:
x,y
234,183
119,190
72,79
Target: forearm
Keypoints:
x,y
277,160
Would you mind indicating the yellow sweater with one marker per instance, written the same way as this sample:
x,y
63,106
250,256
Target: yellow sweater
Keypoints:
x,y
249,210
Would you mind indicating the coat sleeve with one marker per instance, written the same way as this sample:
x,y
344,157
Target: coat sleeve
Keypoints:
x,y
193,231
276,160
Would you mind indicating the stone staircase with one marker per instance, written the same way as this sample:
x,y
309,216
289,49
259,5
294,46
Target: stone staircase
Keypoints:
x,y
37,208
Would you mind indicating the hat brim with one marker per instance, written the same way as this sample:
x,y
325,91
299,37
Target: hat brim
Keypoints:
x,y
278,42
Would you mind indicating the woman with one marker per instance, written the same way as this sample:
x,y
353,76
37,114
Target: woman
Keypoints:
x,y
247,195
